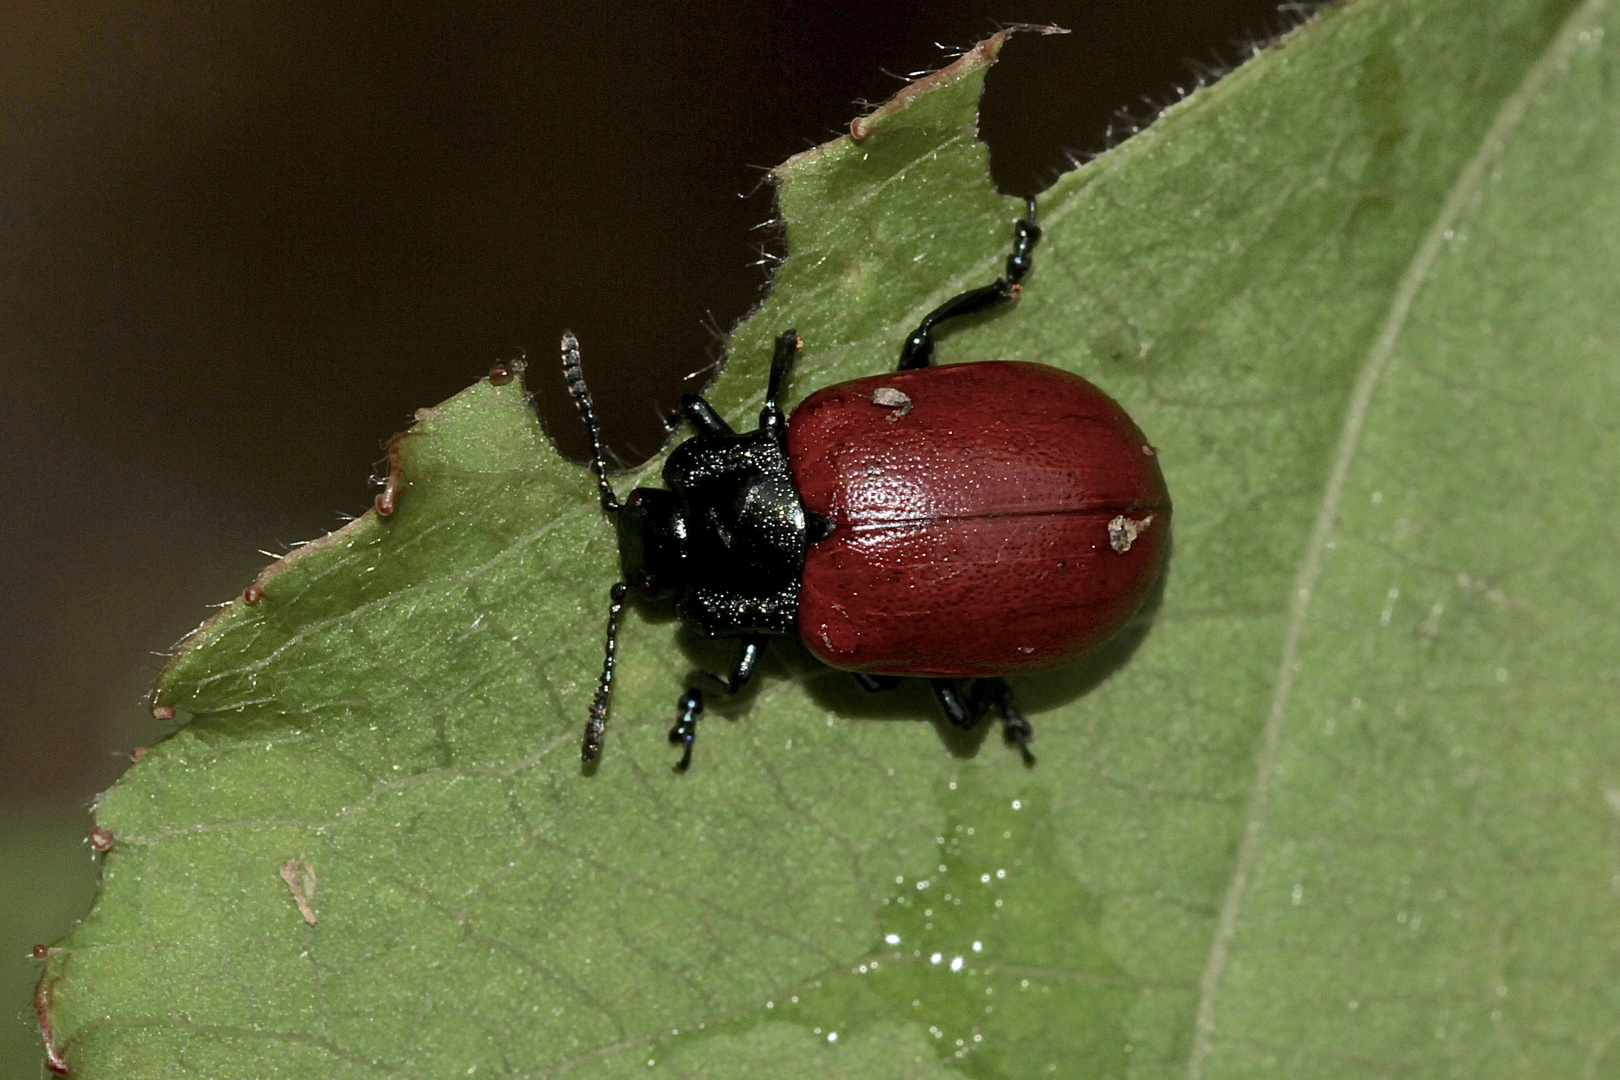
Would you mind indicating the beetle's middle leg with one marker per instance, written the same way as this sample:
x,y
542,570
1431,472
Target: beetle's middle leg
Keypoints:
x,y
684,733
918,351
966,711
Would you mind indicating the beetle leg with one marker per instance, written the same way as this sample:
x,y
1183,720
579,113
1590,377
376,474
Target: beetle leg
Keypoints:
x,y
958,712
918,350
982,696
876,684
787,345
684,733
1015,727
703,417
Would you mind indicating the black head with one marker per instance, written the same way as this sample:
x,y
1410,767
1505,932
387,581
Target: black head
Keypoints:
x,y
652,543
738,491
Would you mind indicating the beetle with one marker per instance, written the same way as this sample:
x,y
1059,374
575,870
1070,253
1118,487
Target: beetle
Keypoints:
x,y
957,524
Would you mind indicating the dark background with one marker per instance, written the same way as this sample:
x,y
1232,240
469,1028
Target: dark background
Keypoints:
x,y
241,243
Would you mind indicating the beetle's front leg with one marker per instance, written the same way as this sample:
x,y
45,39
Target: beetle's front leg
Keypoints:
x,y
684,733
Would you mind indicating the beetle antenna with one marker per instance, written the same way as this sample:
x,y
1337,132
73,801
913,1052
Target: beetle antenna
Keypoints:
x,y
574,375
596,722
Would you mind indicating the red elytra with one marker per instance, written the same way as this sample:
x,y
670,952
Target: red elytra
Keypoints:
x,y
972,524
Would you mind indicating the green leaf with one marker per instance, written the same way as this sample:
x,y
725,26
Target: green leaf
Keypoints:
x,y
1348,807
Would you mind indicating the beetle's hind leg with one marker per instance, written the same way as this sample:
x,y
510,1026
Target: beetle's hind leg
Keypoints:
x,y
918,351
684,733
995,694
966,711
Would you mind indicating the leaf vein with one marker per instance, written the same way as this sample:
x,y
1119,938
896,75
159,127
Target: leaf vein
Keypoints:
x,y
1376,364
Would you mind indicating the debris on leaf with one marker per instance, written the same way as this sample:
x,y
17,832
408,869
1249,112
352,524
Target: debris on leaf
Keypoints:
x,y
300,878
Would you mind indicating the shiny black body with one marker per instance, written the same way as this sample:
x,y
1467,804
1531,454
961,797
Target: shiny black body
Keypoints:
x,y
730,544
725,539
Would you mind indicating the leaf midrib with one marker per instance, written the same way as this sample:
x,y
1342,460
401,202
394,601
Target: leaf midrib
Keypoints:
x,y
1377,363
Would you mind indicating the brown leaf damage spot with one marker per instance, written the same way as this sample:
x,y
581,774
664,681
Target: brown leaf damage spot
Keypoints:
x,y
101,839
44,1010
981,54
300,878
1122,532
388,498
